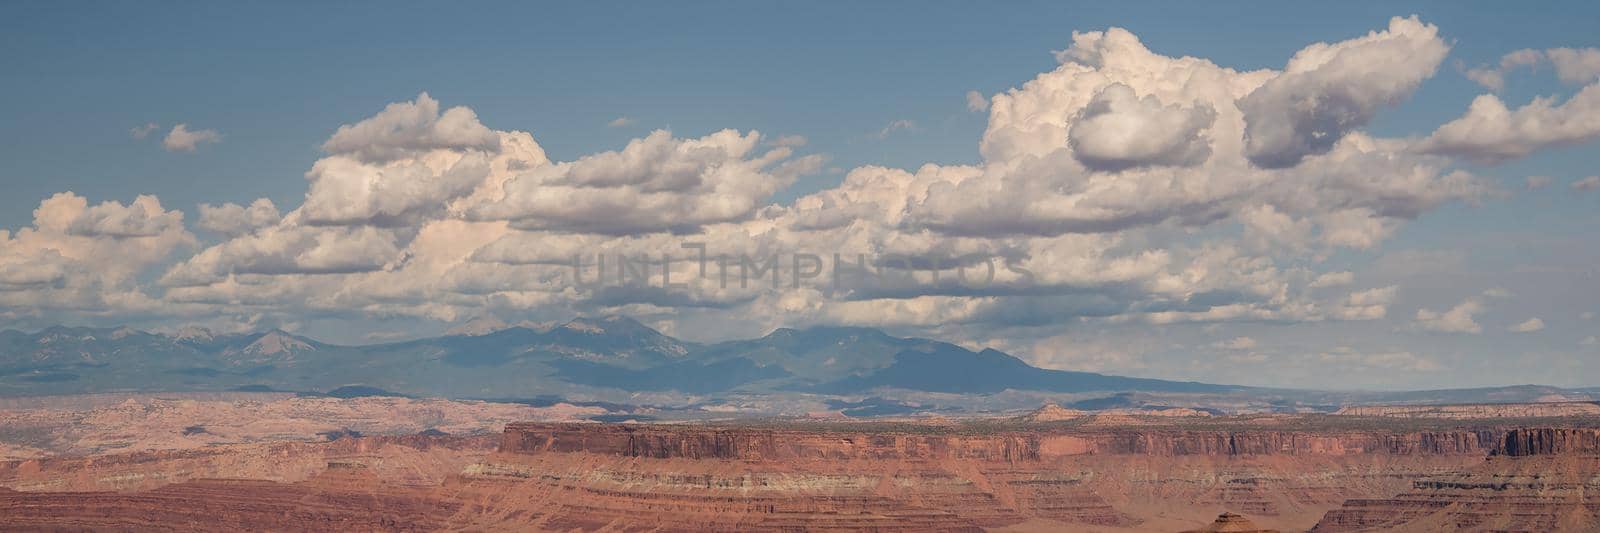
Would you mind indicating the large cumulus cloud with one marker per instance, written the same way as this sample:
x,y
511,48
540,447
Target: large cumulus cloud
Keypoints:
x,y
406,128
1490,132
1119,137
1327,90
1118,130
234,219
657,183
83,258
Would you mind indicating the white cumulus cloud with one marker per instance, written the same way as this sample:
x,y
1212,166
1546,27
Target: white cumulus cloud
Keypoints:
x,y
1458,319
182,139
1527,326
976,102
235,219
1492,133
1327,90
406,128
1586,184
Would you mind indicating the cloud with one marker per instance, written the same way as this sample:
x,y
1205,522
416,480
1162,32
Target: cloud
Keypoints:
x,y
1586,315
619,122
284,250
1586,184
1458,319
896,125
410,163
1493,78
85,259
976,103
1333,279
1053,164
659,183
405,129
140,132
1370,304
1497,292
347,191
1116,189
39,272
1538,182
1491,133
233,219
1579,66
1590,341
791,141
1387,360
143,217
1527,326
1327,90
1236,343
1119,130
180,139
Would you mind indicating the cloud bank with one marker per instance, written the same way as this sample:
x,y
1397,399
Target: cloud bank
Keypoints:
x,y
1120,186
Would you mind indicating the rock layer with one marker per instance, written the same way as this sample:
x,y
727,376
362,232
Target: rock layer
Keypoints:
x,y
1284,474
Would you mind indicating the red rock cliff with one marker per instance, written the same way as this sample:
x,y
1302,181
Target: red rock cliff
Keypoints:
x,y
754,443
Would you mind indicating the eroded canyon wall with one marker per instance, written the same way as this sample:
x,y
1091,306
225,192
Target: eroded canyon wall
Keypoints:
x,y
873,476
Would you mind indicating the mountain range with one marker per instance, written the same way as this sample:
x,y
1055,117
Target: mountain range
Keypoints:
x,y
489,359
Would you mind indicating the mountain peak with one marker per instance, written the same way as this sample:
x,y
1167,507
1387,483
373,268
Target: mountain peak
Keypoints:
x,y
782,332
1051,412
612,324
276,342
482,325
193,333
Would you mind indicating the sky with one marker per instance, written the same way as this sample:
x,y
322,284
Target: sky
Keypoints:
x,y
1377,196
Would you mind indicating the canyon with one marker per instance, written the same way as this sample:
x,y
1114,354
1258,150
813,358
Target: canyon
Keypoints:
x,y
1051,471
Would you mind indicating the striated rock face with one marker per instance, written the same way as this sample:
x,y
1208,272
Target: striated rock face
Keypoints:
x,y
1529,493
852,476
1471,411
344,497
403,459
1549,441
755,444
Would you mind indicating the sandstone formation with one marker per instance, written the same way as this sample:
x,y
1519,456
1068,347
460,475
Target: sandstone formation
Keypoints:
x,y
1233,523
1052,413
1470,411
405,459
1277,473
1529,493
741,477
344,497
119,423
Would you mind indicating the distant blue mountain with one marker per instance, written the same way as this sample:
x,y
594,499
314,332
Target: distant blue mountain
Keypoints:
x,y
586,354
944,367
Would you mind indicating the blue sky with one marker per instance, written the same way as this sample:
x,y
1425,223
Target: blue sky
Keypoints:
x,y
278,80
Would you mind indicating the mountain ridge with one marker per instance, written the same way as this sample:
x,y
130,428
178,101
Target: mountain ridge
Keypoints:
x,y
497,358
616,358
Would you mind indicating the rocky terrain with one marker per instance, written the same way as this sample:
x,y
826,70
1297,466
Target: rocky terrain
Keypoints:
x,y
420,459
1466,411
1054,470
106,423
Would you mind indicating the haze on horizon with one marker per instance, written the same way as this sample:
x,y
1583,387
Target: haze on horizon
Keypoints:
x,y
1395,200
